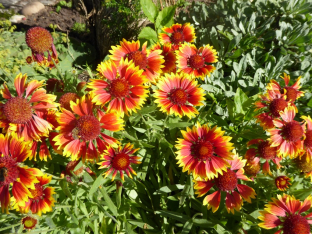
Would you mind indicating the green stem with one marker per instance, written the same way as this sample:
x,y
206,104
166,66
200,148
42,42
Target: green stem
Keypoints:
x,y
58,70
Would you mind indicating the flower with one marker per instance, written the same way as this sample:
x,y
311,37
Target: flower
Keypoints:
x,y
169,57
80,130
252,167
307,143
292,92
14,150
54,85
148,61
196,62
177,94
203,151
286,211
66,98
282,182
20,115
119,160
227,182
288,134
40,41
29,222
304,163
121,87
178,34
41,200
263,149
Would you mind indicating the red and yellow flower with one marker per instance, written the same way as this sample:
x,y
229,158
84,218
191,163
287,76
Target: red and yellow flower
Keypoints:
x,y
196,62
282,182
304,163
80,130
121,87
119,160
66,98
177,94
286,212
177,34
41,200
29,222
288,134
307,143
169,57
227,182
292,92
20,114
148,61
203,151
14,150
262,149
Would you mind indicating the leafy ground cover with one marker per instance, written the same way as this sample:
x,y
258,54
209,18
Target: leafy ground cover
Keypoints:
x,y
200,126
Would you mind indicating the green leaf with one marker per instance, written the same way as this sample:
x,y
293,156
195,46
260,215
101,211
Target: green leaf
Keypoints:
x,y
239,98
203,223
187,227
141,130
97,183
140,224
149,9
178,125
64,186
169,189
109,201
165,17
175,215
148,34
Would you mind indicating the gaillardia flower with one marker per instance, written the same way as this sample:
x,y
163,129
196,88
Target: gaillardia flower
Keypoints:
x,y
169,57
203,151
41,200
148,61
292,92
40,41
19,114
252,167
29,222
196,62
287,212
14,150
177,34
80,131
282,182
304,163
66,98
121,87
263,149
227,182
288,134
307,143
119,160
177,94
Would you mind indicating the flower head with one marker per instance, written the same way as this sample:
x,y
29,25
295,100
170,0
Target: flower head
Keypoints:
x,y
288,134
196,62
20,114
169,57
178,94
285,212
80,130
14,150
66,98
228,183
29,222
203,151
119,160
307,143
41,200
262,149
121,87
304,163
54,84
177,34
282,182
148,61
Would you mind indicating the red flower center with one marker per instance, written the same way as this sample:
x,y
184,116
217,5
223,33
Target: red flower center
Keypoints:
x,y
277,105
37,193
292,131
119,88
202,150
296,224
29,222
8,170
138,58
66,98
121,161
291,94
178,96
265,151
227,182
196,61
303,164
88,127
308,140
177,37
39,39
18,110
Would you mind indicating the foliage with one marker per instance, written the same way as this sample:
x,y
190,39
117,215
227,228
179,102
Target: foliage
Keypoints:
x,y
80,28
